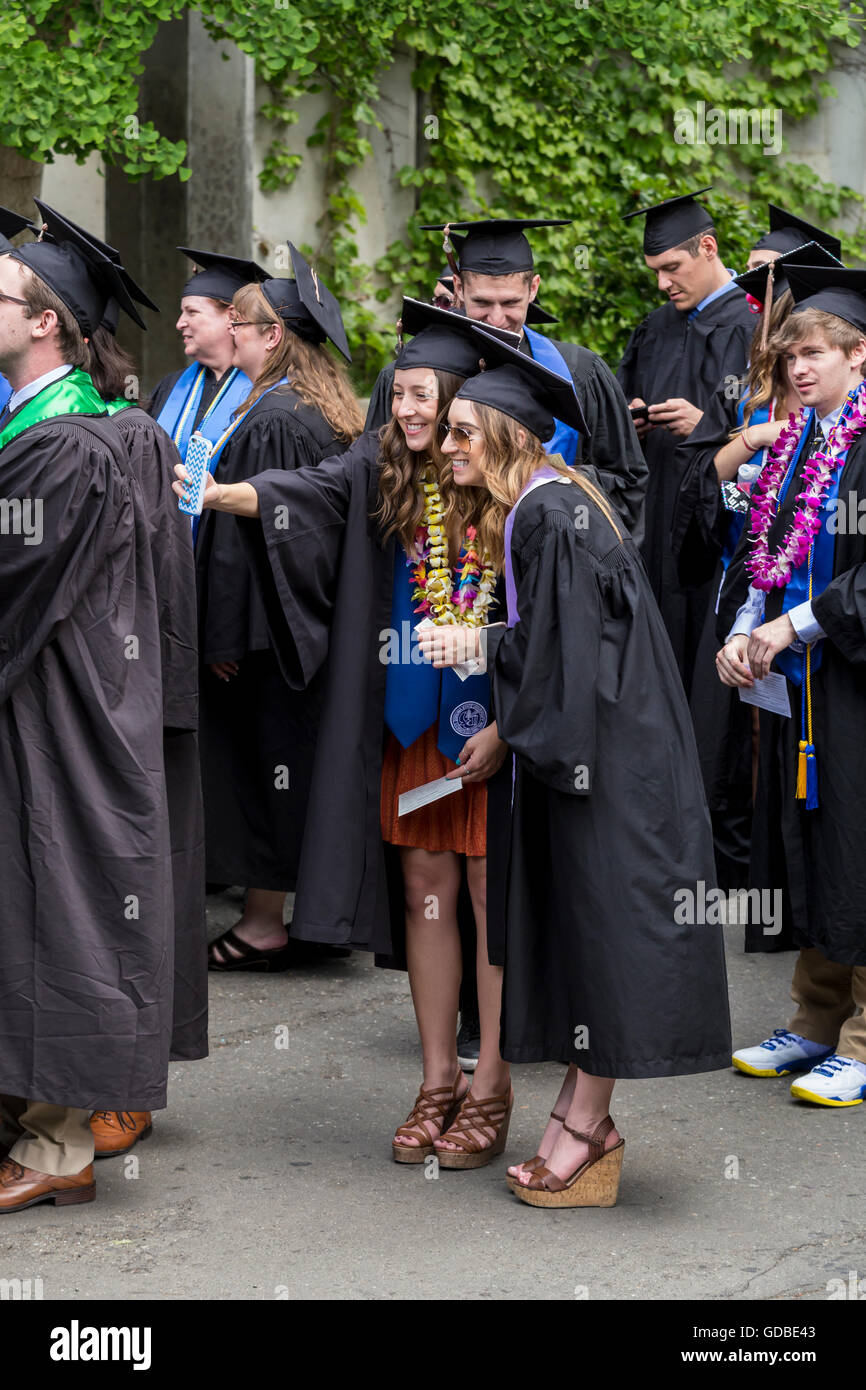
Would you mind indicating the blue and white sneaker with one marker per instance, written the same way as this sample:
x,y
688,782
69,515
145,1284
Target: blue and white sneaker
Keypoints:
x,y
837,1081
784,1052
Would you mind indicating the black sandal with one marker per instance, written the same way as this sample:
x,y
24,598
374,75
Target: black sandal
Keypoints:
x,y
248,957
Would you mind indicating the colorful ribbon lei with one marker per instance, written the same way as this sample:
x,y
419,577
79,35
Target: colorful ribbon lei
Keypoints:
x,y
434,580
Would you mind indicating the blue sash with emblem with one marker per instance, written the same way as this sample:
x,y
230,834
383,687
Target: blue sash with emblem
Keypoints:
x,y
416,692
565,439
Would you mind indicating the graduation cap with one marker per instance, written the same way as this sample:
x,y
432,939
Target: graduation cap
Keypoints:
x,y
833,289
496,246
522,388
535,314
219,277
112,311
11,223
74,265
789,232
307,305
443,339
771,277
672,222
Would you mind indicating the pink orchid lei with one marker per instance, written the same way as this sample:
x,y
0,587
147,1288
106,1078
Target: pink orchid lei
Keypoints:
x,y
774,571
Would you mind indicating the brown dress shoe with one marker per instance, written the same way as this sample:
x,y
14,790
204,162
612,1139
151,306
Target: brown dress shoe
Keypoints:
x,y
23,1187
116,1131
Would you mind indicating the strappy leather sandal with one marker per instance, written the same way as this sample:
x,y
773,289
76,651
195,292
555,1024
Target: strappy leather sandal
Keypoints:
x,y
436,1104
594,1184
493,1113
532,1164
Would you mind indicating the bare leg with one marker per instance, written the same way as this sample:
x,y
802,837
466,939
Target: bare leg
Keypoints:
x,y
262,923
431,884
589,1106
554,1127
492,1075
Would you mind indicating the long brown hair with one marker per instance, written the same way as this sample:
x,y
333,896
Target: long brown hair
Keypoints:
x,y
767,379
311,370
401,509
111,366
508,465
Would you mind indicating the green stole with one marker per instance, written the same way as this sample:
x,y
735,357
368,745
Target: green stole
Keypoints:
x,y
73,394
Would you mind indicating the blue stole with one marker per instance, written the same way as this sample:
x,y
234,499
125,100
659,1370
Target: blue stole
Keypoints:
x,y
416,691
565,439
819,566
178,413
5,393
737,520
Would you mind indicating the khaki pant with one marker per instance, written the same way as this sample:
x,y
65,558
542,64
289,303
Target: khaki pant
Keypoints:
x,y
53,1139
831,1003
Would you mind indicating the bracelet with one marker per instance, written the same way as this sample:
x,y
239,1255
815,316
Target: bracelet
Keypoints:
x,y
748,443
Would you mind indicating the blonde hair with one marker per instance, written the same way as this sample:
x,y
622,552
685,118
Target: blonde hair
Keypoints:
x,y
508,465
767,377
311,370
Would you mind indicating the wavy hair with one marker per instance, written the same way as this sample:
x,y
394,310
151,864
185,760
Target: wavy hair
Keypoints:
x,y
311,370
507,465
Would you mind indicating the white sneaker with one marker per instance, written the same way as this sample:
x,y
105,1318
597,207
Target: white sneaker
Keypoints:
x,y
784,1052
836,1081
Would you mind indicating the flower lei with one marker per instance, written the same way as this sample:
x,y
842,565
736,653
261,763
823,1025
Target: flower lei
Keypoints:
x,y
774,571
434,581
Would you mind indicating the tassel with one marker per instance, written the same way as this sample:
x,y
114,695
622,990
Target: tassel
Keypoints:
x,y
811,779
768,304
802,769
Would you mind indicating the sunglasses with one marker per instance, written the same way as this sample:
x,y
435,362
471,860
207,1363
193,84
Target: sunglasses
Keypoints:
x,y
443,301
458,433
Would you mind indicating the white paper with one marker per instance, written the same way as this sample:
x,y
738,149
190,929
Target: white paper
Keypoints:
x,y
771,693
431,791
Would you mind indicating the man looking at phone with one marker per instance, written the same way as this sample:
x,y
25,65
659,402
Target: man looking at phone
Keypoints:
x,y
673,363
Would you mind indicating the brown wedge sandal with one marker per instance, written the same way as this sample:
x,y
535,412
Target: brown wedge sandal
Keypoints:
x,y
493,1113
532,1164
436,1104
594,1184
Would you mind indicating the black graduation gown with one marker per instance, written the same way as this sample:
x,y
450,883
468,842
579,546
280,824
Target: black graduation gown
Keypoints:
x,y
815,857
86,940
667,356
609,821
153,456
327,582
613,450
257,734
723,724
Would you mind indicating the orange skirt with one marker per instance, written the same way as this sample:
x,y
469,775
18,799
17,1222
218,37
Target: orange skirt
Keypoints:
x,y
457,822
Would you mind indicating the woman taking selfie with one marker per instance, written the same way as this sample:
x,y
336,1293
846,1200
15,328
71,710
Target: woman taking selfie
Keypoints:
x,y
609,968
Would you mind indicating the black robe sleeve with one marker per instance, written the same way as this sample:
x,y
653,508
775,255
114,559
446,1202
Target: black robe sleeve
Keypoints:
x,y
295,549
543,669
700,520
379,409
85,514
841,611
613,449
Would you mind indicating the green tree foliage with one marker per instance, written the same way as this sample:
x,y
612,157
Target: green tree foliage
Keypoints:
x,y
552,107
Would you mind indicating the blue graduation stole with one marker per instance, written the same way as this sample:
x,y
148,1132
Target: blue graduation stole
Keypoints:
x,y
819,567
565,439
737,520
416,691
178,413
5,393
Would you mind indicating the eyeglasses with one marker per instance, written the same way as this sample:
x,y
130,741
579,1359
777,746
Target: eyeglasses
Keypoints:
x,y
10,299
458,433
443,301
248,323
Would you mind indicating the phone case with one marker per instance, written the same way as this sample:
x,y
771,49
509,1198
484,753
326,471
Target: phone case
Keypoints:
x,y
197,458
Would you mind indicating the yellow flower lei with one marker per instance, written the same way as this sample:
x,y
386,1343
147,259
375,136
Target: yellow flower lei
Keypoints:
x,y
434,581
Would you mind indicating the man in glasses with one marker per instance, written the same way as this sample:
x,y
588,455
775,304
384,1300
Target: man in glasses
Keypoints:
x,y
86,934
496,283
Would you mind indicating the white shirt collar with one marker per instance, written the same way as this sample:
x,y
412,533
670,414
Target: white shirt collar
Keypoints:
x,y
34,387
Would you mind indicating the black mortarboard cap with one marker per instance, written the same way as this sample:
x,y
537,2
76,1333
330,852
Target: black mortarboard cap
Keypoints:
x,y
754,282
218,276
672,222
134,291
443,339
496,246
74,266
446,278
788,232
536,314
307,305
523,389
835,290
11,223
